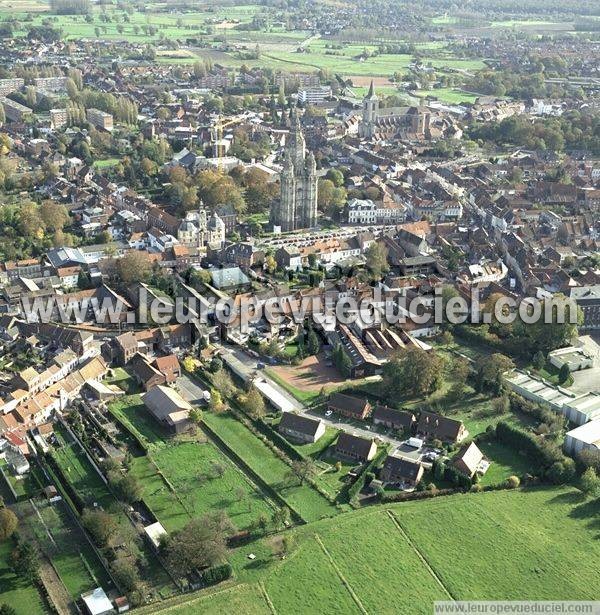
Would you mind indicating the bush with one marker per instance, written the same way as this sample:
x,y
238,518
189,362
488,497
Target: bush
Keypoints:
x,y
216,574
512,482
561,472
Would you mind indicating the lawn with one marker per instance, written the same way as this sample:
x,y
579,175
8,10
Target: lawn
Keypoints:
x,y
377,544
315,450
307,582
24,598
510,545
453,96
171,25
193,469
71,554
247,599
23,485
504,545
133,414
108,162
305,500
123,380
505,462
80,473
306,396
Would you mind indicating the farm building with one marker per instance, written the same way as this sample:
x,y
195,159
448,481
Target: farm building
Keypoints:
x,y
583,437
168,408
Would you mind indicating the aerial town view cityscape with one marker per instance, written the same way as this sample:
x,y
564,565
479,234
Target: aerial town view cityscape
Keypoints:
x,y
299,307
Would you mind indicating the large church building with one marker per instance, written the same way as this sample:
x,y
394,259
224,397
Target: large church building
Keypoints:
x,y
297,207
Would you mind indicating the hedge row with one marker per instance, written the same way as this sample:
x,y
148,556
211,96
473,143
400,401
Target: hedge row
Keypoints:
x,y
544,452
356,487
254,475
406,496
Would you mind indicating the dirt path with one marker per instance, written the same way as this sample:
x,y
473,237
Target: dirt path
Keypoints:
x,y
59,596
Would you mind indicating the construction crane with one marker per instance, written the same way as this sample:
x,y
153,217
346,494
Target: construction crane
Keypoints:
x,y
219,147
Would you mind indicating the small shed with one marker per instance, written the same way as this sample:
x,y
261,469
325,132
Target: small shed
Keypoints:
x,y
154,533
96,602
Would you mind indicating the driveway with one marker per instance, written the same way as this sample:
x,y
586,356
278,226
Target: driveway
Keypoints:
x,y
190,390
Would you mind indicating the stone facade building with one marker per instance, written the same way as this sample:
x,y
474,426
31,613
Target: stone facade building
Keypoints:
x,y
297,207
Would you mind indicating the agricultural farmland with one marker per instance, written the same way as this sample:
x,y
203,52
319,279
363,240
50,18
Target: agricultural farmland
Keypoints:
x,y
401,561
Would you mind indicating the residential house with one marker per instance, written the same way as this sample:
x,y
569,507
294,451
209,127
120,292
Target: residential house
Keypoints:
x,y
145,374
436,426
468,460
393,419
401,470
355,447
300,428
169,367
349,406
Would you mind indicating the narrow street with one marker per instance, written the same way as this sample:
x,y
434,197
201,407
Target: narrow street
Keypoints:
x,y
244,365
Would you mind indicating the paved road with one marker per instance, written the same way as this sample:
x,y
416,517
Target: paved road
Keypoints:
x,y
244,364
189,389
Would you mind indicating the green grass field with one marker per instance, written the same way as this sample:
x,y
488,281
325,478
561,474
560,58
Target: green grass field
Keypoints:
x,y
16,592
133,414
505,545
189,468
305,500
452,96
90,487
172,25
72,556
80,473
505,462
247,599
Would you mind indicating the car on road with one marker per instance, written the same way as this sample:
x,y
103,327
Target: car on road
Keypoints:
x,y
260,365
328,412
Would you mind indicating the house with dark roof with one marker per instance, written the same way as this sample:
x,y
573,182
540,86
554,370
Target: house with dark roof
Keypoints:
x,y
440,427
401,470
145,374
355,447
392,418
347,405
300,428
